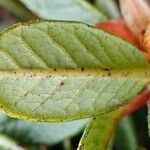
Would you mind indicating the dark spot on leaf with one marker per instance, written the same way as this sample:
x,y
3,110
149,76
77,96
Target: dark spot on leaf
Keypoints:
x,y
109,73
82,69
106,69
125,74
15,103
33,75
49,76
61,83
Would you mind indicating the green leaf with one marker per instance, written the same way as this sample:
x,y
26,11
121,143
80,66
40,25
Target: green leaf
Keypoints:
x,y
8,144
78,10
148,118
39,133
126,135
99,133
17,8
108,7
45,82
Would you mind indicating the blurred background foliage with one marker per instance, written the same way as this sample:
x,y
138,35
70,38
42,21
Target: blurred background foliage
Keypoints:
x,y
132,132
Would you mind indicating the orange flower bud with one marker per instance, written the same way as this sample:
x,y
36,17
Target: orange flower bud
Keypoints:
x,y
145,39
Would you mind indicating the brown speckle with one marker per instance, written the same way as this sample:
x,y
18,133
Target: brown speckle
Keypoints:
x,y
61,83
109,73
106,69
82,69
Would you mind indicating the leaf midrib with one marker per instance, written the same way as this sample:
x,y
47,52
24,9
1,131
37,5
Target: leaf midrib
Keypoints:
x,y
143,73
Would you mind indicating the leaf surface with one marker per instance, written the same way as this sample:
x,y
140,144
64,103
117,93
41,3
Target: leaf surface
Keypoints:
x,y
99,133
59,71
39,133
78,10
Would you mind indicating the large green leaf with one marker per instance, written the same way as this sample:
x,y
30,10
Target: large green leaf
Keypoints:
x,y
78,10
39,133
100,131
45,82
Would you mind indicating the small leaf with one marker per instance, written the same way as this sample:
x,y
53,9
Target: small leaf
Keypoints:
x,y
136,14
72,71
126,135
99,133
39,133
108,7
78,10
148,118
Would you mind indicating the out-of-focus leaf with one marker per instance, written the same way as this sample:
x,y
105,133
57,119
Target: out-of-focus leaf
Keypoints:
x,y
99,133
108,7
78,10
17,8
126,135
39,133
148,118
72,71
8,144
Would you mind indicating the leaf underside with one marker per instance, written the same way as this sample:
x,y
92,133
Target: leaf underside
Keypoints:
x,y
39,133
66,70
78,10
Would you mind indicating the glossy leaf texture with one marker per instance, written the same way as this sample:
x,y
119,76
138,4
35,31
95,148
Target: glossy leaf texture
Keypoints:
x,y
78,10
63,71
100,131
39,133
